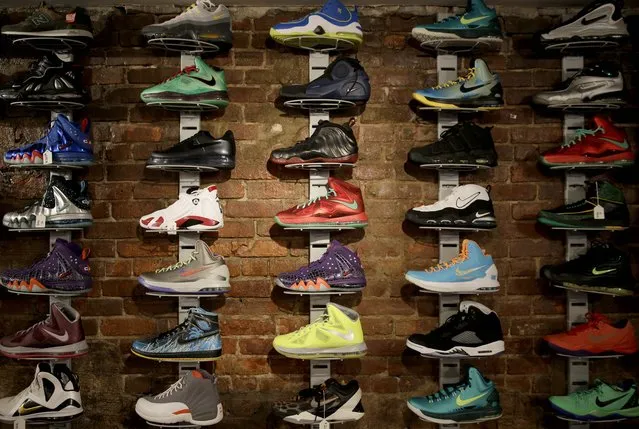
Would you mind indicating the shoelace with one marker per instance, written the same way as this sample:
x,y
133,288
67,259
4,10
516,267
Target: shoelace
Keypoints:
x,y
331,193
460,79
173,388
186,70
179,328
323,319
179,264
447,264
448,392
580,134
593,320
582,395
453,320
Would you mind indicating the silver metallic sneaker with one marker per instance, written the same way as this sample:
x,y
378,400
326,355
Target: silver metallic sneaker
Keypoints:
x,y
192,399
65,204
203,273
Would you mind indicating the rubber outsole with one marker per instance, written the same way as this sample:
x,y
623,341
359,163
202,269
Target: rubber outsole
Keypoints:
x,y
202,356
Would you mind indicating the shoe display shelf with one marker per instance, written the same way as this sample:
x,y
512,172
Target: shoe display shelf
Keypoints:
x,y
580,45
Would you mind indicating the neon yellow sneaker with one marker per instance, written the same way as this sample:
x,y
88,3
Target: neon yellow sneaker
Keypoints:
x,y
337,334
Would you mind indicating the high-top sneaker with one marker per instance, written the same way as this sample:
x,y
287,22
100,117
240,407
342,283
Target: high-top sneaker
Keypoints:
x,y
60,336
581,214
465,143
65,203
65,270
329,142
62,83
603,145
197,338
203,20
193,399
201,150
343,205
474,331
196,210
344,79
338,269
479,89
39,71
53,395
203,272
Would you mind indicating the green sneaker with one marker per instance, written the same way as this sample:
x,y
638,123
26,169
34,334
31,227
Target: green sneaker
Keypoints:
x,y
195,84
602,402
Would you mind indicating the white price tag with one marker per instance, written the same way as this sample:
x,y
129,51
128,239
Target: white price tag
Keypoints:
x,y
324,424
171,228
599,212
47,157
40,221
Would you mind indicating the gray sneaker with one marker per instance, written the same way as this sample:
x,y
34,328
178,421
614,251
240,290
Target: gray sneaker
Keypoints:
x,y
192,399
203,273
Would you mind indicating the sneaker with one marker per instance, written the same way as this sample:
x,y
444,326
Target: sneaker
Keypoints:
x,y
197,338
331,401
196,210
67,141
201,150
339,269
46,22
478,23
65,270
329,142
39,71
466,207
203,20
581,214
198,84
53,395
203,272
464,144
599,82
193,399
333,21
54,80
603,269
472,271
65,204
597,337
480,89
59,336
344,79
343,206
474,331
336,334
473,400
599,20
602,402
602,146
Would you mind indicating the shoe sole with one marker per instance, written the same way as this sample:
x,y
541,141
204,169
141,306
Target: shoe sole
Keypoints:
x,y
450,419
214,98
187,357
482,285
331,288
586,353
423,35
590,162
347,352
199,287
35,287
181,418
458,106
71,33
594,289
590,224
345,221
490,349
315,40
345,413
297,160
61,352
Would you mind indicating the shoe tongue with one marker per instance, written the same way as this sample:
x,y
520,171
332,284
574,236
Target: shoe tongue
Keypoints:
x,y
201,65
205,4
469,247
336,9
204,252
601,121
474,375
467,305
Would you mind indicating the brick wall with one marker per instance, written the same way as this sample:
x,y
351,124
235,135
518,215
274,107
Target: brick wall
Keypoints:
x,y
251,374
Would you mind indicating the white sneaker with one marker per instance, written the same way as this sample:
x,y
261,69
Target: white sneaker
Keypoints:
x,y
197,210
467,206
61,400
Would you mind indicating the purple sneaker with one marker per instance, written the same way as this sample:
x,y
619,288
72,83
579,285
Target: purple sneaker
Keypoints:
x,y
65,270
338,270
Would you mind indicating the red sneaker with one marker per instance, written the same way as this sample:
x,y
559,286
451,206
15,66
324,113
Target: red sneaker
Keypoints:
x,y
597,337
342,206
60,336
606,145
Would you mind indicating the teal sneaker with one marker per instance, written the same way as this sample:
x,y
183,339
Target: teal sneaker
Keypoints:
x,y
603,402
200,84
479,22
473,400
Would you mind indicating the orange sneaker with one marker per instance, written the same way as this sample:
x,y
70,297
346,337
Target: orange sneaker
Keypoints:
x,y
596,337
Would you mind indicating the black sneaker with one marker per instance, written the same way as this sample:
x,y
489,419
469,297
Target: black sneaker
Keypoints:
x,y
581,214
465,143
52,80
201,150
37,72
330,401
474,331
330,142
46,22
603,269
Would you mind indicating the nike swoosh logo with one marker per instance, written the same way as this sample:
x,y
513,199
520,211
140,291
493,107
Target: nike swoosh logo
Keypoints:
x,y
606,403
23,411
467,21
477,214
352,205
586,21
59,337
465,272
623,145
596,272
463,202
210,81
348,337
463,402
187,273
464,89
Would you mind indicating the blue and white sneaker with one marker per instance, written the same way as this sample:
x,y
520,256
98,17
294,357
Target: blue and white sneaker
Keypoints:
x,y
480,89
197,338
334,21
472,271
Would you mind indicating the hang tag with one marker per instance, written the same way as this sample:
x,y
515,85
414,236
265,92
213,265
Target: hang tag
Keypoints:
x,y
324,424
171,228
599,212
40,221
47,157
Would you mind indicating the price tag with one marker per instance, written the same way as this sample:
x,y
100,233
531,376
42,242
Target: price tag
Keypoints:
x,y
599,212
47,157
324,424
40,221
171,228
